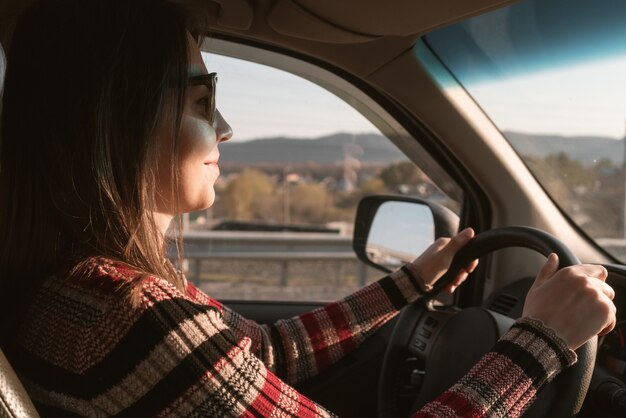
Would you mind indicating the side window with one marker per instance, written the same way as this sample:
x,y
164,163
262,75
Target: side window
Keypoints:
x,y
299,161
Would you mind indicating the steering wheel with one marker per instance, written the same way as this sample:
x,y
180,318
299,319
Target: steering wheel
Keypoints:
x,y
448,343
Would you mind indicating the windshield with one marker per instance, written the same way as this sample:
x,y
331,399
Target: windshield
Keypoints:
x,y
551,74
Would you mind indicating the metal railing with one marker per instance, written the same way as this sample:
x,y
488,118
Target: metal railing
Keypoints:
x,y
280,247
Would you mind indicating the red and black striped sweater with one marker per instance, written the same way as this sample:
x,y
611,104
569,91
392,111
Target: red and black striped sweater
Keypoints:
x,y
85,350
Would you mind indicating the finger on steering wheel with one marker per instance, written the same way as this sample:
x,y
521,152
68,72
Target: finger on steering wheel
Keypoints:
x,y
460,278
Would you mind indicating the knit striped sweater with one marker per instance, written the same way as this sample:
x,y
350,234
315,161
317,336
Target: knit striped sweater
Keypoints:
x,y
84,350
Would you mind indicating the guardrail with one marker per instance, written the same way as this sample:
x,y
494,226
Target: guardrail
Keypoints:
x,y
279,247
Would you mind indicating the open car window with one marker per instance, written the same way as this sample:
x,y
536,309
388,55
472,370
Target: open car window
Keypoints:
x,y
291,177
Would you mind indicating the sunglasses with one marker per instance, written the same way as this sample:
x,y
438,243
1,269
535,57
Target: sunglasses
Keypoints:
x,y
210,81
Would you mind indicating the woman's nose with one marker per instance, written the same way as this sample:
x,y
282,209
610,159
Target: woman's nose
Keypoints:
x,y
222,129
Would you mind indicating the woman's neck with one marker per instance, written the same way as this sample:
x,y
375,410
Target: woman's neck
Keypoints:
x,y
163,222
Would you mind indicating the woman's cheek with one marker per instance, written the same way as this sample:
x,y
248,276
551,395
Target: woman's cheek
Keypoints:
x,y
197,135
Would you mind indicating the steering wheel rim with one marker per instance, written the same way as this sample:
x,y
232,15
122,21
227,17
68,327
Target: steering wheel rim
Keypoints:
x,y
573,381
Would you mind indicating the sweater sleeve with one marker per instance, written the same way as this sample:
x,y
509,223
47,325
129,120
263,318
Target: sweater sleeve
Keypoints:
x,y
506,380
301,347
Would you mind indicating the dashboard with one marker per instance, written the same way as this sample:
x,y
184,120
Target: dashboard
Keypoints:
x,y
612,353
612,349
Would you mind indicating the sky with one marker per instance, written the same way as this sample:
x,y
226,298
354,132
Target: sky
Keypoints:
x,y
404,227
587,99
260,102
552,67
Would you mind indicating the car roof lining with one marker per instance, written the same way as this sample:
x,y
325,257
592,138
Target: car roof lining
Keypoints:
x,y
389,18
359,43
325,29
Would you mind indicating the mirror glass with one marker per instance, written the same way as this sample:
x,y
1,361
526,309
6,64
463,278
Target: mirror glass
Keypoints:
x,y
400,232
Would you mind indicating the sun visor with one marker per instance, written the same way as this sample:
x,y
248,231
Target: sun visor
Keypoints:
x,y
353,21
288,18
236,14
231,14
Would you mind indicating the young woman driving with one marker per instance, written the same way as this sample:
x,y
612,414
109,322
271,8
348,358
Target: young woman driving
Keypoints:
x,y
109,132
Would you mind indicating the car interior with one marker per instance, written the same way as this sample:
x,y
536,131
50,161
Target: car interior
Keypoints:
x,y
420,72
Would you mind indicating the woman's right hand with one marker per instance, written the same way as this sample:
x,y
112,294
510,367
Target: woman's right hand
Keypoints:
x,y
574,301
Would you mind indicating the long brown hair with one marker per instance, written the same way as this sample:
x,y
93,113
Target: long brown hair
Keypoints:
x,y
90,86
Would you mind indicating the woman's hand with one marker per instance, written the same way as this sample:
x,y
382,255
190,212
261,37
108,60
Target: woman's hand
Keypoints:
x,y
574,301
436,260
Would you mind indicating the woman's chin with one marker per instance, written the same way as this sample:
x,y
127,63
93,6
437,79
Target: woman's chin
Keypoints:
x,y
194,202
205,202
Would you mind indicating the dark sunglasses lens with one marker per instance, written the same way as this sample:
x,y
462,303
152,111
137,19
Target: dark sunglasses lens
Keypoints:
x,y
213,106
210,81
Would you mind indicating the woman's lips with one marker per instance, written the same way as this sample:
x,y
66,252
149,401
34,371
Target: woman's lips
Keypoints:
x,y
212,159
212,165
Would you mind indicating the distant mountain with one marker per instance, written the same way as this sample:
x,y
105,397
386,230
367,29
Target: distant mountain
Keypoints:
x,y
325,150
375,147
585,149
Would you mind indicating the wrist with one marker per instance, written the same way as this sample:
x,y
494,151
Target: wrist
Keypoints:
x,y
416,278
550,335
536,349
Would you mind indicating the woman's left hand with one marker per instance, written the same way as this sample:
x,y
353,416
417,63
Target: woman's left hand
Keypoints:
x,y
435,261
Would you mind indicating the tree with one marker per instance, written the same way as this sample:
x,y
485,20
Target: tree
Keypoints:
x,y
373,186
593,196
310,203
249,196
401,173
348,201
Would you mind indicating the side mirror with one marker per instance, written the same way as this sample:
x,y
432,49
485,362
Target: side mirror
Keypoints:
x,y
390,231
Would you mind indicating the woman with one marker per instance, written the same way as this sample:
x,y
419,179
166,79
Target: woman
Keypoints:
x,y
100,152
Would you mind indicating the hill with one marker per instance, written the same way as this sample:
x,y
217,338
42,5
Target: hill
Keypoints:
x,y
325,150
586,149
374,147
